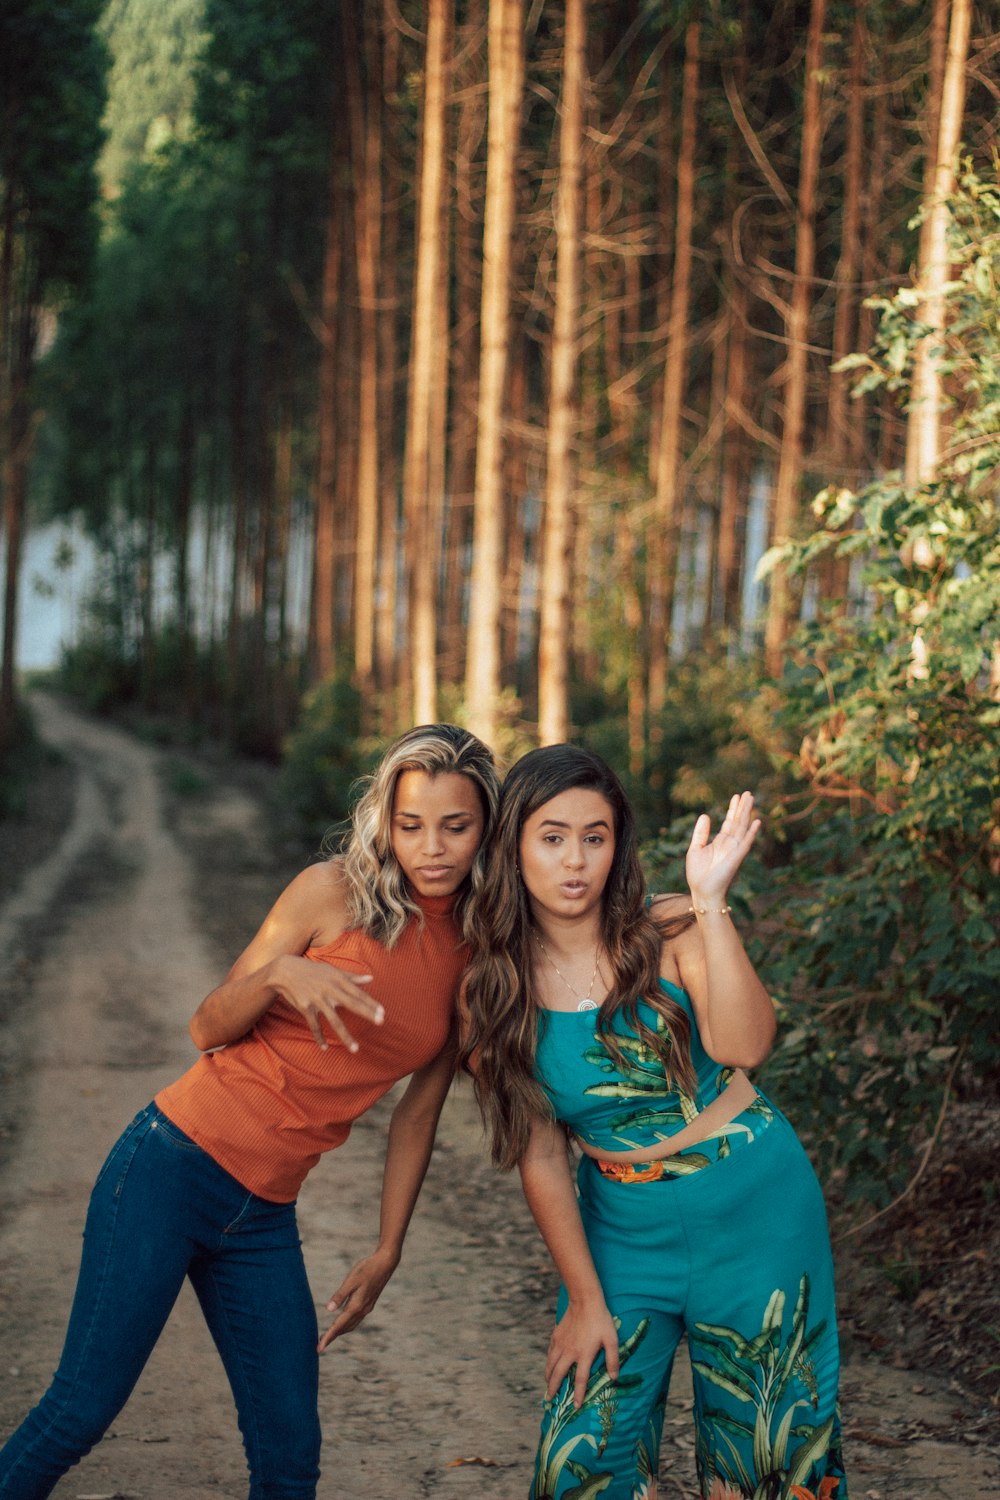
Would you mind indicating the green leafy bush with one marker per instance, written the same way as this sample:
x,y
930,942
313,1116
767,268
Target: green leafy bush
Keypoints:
x,y
324,756
879,935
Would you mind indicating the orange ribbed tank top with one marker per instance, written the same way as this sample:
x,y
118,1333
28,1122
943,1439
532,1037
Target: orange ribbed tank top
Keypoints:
x,y
267,1106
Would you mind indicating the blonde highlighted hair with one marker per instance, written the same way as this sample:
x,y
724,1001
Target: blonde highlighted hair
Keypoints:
x,y
378,898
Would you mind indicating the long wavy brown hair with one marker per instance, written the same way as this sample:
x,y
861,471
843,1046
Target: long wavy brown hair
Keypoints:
x,y
501,1008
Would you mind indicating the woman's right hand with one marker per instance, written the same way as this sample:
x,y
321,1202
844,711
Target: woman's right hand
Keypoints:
x,y
319,991
577,1339
310,912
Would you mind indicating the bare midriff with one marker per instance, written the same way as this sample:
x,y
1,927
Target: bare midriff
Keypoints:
x,y
734,1099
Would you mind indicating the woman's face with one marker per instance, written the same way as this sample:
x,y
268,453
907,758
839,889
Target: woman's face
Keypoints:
x,y
435,829
567,847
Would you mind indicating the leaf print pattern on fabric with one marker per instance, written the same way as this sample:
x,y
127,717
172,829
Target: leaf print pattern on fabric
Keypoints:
x,y
556,1450
659,1106
770,1457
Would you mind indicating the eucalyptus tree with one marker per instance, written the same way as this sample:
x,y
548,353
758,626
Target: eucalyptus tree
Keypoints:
x,y
506,75
564,402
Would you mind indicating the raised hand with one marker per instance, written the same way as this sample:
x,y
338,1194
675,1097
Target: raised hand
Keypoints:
x,y
711,864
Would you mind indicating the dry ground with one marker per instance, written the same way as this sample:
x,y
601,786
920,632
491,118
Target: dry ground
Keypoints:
x,y
127,887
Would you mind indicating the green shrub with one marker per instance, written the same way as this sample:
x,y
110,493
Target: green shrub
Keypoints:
x,y
879,936
324,756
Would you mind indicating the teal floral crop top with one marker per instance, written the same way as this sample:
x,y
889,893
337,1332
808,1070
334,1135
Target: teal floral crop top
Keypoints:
x,y
615,1110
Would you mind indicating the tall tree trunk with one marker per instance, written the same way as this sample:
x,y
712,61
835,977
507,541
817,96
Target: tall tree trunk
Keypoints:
x,y
237,424
666,218
845,426
506,72
422,508
841,430
186,440
323,629
735,475
796,374
923,428
465,339
663,540
284,481
514,601
872,250
553,645
629,542
364,118
17,440
389,341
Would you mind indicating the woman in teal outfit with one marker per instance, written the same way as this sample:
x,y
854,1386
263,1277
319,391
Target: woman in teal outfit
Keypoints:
x,y
595,1016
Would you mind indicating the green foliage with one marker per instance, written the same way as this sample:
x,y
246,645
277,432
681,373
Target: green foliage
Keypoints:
x,y
879,935
154,45
186,780
19,763
324,756
715,737
52,88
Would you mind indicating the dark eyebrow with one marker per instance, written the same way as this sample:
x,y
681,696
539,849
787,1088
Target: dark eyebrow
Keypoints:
x,y
554,823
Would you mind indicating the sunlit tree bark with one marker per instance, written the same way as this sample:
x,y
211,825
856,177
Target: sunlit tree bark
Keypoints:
x,y
422,477
389,374
663,536
796,371
324,512
468,231
844,431
553,646
506,71
364,121
923,428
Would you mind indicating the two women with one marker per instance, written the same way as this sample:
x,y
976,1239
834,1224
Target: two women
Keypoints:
x,y
627,1026
203,1182
587,1012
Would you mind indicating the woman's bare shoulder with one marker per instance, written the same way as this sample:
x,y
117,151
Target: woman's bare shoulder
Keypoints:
x,y
316,901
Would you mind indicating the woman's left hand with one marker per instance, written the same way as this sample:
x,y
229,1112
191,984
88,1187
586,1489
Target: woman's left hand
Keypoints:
x,y
357,1294
711,866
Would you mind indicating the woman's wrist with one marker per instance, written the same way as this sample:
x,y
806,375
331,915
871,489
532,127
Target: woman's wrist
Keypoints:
x,y
714,907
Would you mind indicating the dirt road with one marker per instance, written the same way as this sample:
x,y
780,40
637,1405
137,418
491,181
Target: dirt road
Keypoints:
x,y
447,1368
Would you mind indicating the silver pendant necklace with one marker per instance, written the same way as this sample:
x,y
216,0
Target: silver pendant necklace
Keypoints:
x,y
584,1003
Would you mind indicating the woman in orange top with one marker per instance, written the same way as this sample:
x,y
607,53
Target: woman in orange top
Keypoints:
x,y
203,1182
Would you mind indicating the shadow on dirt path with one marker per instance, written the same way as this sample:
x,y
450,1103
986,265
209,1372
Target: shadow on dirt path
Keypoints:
x,y
438,1393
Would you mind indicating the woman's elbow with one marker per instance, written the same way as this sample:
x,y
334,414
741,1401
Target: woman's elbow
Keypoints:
x,y
758,1048
198,1035
748,1050
204,1038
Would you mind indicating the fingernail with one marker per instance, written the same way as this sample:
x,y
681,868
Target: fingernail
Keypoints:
x,y
380,1014
354,1047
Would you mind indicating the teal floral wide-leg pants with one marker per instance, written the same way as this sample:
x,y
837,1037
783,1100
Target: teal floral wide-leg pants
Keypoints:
x,y
737,1256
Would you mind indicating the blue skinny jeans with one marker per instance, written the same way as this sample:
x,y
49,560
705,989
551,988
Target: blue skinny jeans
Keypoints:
x,y
161,1210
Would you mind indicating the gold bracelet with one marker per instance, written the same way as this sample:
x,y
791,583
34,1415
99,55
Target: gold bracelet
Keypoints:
x,y
715,911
